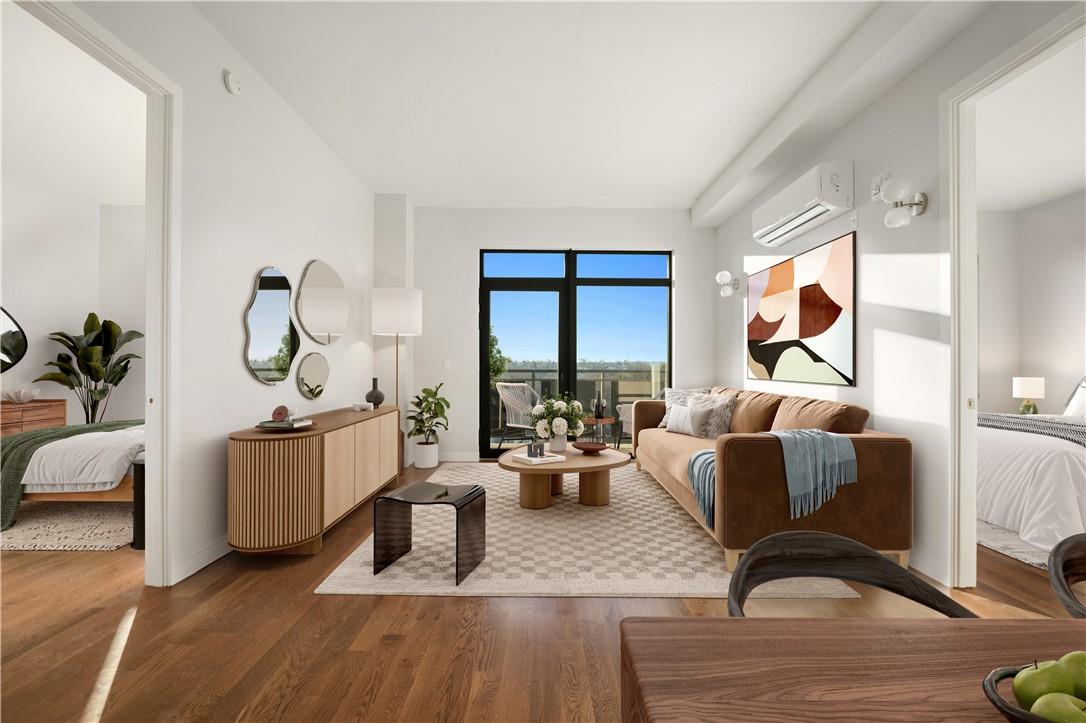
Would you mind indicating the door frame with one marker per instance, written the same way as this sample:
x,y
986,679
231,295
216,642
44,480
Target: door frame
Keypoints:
x,y
566,286
163,228
957,112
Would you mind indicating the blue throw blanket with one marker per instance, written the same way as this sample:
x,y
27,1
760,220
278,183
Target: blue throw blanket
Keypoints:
x,y
816,463
701,471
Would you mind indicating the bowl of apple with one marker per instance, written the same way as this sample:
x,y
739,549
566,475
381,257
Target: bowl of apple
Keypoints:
x,y
1049,691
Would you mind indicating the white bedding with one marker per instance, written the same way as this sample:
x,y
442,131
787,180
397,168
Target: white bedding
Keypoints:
x,y
1032,484
93,462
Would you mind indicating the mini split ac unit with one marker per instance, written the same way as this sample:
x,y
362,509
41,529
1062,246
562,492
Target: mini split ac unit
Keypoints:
x,y
820,194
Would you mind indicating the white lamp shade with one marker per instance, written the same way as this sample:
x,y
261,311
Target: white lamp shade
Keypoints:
x,y
897,217
724,277
895,189
397,311
1028,387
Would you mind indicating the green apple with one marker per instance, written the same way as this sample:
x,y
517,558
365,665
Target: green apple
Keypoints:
x,y
1033,681
1075,662
1060,708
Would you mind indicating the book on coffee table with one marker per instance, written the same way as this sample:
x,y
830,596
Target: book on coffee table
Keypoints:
x,y
545,459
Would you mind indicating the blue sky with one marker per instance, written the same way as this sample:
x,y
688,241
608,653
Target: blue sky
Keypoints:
x,y
614,323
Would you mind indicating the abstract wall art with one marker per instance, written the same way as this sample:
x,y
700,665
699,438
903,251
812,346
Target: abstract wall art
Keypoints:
x,y
800,316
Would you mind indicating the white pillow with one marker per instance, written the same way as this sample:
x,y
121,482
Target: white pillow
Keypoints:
x,y
677,396
681,420
703,415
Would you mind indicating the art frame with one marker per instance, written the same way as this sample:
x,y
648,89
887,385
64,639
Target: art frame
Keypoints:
x,y
800,317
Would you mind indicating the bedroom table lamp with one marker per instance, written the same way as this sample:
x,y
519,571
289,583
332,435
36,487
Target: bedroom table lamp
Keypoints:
x,y
397,312
1027,389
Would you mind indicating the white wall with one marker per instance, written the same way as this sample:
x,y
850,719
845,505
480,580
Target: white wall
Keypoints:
x,y
999,281
73,150
1033,301
447,243
903,324
1053,307
259,188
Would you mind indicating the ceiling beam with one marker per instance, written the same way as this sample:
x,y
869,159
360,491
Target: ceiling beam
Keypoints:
x,y
887,46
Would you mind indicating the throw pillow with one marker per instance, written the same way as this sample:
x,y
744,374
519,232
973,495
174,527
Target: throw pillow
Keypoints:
x,y
712,413
681,420
673,397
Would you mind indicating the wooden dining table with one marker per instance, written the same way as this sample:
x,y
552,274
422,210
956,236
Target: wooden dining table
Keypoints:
x,y
839,669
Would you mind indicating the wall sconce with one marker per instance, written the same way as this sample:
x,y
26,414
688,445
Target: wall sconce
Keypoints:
x,y
895,191
728,285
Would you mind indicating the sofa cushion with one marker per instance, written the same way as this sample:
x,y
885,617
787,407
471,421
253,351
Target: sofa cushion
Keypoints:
x,y
678,396
804,413
671,451
754,412
702,415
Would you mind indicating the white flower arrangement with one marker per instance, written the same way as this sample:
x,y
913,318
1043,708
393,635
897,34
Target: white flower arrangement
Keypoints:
x,y
558,417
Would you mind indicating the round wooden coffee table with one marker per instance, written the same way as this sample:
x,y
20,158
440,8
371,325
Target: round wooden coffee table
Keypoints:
x,y
540,481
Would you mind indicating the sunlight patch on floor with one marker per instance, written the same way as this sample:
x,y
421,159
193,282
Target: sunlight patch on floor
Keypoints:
x,y
96,704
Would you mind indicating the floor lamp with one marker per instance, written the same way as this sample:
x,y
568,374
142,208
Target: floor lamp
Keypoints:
x,y
397,312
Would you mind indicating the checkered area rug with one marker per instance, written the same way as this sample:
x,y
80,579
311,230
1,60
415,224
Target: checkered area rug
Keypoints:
x,y
641,545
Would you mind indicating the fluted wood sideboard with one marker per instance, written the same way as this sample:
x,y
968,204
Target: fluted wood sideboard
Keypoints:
x,y
287,489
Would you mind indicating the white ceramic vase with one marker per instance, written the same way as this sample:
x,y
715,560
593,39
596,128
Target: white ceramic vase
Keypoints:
x,y
558,444
425,455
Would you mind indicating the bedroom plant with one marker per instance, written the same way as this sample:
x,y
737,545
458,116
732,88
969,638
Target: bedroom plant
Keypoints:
x,y
556,418
429,413
92,366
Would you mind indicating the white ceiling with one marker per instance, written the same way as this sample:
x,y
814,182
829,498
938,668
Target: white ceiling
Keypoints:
x,y
1031,135
623,105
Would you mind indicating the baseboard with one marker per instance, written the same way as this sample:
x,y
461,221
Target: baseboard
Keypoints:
x,y
459,457
194,563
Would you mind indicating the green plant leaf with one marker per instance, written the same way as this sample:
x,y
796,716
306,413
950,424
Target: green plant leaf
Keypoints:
x,y
128,336
111,331
57,377
92,323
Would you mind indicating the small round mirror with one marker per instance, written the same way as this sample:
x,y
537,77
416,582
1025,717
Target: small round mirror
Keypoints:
x,y
12,341
323,307
312,375
271,340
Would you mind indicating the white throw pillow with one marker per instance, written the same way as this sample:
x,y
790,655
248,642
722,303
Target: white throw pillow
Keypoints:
x,y
681,420
677,396
703,415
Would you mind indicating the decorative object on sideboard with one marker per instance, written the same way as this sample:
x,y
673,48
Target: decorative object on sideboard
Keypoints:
x,y
282,413
362,407
313,375
323,308
271,339
375,396
899,194
728,285
556,419
428,414
800,323
13,343
397,312
1028,389
21,396
94,367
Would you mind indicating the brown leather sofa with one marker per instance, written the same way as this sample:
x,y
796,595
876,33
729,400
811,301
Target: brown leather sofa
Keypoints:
x,y
751,491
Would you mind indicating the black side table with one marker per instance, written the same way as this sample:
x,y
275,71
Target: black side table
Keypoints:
x,y
138,512
392,523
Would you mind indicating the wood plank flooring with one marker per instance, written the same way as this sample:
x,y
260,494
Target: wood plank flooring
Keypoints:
x,y
245,639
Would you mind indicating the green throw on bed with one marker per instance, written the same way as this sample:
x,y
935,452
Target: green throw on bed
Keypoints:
x,y
16,451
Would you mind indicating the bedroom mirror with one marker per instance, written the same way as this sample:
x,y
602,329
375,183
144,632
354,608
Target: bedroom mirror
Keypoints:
x,y
313,375
12,341
271,340
323,307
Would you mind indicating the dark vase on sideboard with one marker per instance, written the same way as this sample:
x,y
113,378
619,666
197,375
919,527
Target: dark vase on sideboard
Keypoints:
x,y
375,396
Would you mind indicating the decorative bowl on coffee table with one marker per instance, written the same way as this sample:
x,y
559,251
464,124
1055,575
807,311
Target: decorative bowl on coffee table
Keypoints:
x,y
591,449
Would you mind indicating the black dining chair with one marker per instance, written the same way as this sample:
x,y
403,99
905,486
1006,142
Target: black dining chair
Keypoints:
x,y
1067,566
822,554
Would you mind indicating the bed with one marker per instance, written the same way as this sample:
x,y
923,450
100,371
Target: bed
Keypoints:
x,y
1032,483
93,467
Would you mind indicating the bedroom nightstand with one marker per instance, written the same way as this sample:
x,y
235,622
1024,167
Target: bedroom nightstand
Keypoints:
x,y
18,417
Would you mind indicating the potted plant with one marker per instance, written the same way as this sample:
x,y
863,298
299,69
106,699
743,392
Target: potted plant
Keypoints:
x,y
428,414
93,368
557,418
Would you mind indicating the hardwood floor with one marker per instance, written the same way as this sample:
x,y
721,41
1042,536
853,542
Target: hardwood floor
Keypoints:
x,y
245,639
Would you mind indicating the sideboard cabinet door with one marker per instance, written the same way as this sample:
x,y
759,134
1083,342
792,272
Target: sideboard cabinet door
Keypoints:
x,y
339,466
367,460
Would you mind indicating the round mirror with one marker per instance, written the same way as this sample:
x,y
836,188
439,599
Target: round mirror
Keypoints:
x,y
271,341
12,341
322,303
312,375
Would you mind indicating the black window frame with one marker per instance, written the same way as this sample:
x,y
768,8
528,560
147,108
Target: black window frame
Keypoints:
x,y
567,312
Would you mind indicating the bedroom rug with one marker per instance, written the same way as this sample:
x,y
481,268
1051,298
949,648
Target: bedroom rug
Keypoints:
x,y
641,545
1010,544
96,526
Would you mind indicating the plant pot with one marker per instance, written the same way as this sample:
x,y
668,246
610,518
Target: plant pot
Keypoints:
x,y
425,455
557,444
